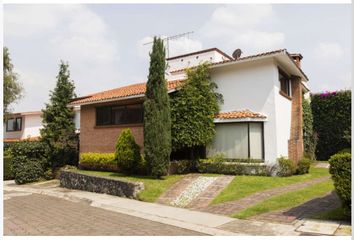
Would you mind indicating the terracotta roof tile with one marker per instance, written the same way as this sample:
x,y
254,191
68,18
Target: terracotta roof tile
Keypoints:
x,y
117,93
239,114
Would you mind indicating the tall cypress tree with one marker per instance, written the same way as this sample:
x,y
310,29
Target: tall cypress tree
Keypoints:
x,y
58,120
157,119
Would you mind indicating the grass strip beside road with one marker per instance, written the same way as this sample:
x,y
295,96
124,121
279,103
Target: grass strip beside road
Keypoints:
x,y
287,200
243,186
153,187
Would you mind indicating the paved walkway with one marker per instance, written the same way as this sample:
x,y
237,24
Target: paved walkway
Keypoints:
x,y
232,207
207,196
193,221
35,214
306,210
175,190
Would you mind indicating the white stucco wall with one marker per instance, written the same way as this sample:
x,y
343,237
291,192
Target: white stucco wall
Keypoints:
x,y
252,86
33,123
283,120
194,60
77,119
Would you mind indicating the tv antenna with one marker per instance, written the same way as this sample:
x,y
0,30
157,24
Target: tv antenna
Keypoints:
x,y
167,39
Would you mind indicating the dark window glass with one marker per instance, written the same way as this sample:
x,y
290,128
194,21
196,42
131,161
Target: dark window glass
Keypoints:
x,y
103,116
284,83
119,115
14,124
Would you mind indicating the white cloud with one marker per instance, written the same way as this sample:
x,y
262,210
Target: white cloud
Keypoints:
x,y
176,46
328,50
241,26
72,33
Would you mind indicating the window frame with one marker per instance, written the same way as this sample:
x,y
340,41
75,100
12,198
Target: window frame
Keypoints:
x,y
248,137
19,126
111,123
287,94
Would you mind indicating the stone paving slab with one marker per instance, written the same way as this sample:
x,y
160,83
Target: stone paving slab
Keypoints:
x,y
231,207
318,227
37,214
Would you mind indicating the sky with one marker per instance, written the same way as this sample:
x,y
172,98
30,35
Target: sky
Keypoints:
x,y
104,43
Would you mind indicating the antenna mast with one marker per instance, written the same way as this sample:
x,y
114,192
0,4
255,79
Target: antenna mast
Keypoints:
x,y
167,39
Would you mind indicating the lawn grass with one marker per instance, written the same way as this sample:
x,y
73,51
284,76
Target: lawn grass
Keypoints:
x,y
287,200
337,214
243,186
153,187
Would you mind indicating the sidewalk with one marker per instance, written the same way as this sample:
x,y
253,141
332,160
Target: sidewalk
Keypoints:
x,y
206,223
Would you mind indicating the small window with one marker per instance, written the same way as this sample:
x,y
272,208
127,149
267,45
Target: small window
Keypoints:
x,y
103,116
14,124
284,83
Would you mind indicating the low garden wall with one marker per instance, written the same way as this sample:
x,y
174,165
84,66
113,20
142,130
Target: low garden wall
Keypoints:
x,y
116,187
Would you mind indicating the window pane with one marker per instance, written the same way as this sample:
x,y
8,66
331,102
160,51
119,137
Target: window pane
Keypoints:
x,y
230,139
135,113
119,115
256,145
10,124
18,124
103,116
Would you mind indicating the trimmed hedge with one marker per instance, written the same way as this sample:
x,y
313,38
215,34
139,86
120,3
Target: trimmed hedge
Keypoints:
x,y
340,169
180,166
331,122
233,168
310,139
8,173
303,166
30,161
286,167
98,161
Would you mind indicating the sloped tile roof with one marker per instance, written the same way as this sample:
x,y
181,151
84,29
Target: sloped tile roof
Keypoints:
x,y
239,114
117,93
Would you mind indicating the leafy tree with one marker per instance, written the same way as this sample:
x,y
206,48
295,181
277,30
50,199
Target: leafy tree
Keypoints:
x,y
157,120
193,109
12,87
308,134
58,121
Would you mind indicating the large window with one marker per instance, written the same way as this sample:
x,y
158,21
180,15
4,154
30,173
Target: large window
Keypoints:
x,y
116,115
14,124
238,140
284,83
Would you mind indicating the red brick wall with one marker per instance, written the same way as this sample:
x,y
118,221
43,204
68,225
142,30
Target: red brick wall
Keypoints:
x,y
296,145
102,138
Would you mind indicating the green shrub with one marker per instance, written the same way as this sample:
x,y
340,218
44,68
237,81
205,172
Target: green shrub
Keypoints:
x,y
180,166
220,166
340,169
127,152
331,122
8,173
303,166
286,167
310,139
98,161
30,161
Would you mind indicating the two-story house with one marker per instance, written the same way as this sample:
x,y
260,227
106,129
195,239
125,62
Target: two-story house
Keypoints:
x,y
261,117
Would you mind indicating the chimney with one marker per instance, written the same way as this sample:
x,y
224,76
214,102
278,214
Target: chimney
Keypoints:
x,y
297,59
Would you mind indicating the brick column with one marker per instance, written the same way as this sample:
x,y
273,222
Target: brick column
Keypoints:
x,y
295,143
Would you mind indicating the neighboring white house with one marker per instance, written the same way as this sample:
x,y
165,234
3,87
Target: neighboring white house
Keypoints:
x,y
261,117
255,119
27,125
